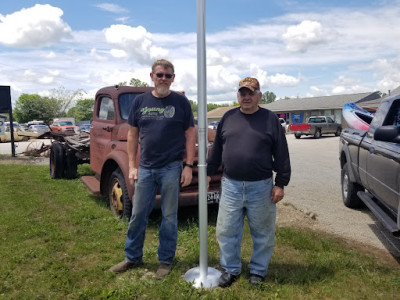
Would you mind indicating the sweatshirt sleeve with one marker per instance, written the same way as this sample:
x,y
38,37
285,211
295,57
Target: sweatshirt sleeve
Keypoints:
x,y
281,159
214,158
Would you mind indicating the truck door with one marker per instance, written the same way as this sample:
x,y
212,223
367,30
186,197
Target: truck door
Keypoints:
x,y
100,133
330,124
383,165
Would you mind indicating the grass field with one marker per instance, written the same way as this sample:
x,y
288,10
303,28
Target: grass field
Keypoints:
x,y
57,241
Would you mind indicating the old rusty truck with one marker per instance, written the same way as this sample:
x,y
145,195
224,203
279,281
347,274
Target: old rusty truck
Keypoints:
x,y
106,151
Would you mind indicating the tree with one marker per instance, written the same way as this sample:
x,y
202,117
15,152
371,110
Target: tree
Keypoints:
x,y
83,110
134,82
137,83
34,107
65,98
267,97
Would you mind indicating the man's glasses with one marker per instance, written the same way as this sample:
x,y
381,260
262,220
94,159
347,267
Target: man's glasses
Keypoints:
x,y
166,75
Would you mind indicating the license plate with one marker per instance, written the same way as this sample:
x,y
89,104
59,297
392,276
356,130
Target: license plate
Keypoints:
x,y
212,197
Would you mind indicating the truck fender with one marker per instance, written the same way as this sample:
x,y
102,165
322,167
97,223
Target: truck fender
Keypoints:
x,y
114,160
345,157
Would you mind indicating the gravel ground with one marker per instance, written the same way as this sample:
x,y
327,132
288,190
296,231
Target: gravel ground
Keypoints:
x,y
313,198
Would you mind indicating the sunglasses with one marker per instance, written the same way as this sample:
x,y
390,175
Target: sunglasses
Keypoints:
x,y
167,75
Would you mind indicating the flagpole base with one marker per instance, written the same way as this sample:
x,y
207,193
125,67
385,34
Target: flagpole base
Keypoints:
x,y
209,281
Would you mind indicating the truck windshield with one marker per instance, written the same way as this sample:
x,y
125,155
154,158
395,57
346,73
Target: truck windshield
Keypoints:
x,y
125,104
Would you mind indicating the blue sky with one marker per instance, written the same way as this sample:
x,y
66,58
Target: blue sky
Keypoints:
x,y
295,48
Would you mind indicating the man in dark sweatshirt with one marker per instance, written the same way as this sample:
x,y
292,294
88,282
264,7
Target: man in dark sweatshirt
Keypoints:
x,y
250,144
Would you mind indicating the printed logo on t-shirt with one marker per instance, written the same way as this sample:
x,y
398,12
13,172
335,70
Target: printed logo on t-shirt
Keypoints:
x,y
158,113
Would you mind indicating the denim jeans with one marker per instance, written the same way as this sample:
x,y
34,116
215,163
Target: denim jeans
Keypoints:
x,y
251,199
167,179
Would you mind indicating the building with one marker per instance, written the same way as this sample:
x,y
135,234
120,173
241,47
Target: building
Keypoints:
x,y
298,110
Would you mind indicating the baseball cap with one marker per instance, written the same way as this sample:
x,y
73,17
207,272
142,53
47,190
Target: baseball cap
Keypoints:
x,y
250,83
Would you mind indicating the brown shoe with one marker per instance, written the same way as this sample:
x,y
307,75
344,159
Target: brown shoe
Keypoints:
x,y
124,266
163,270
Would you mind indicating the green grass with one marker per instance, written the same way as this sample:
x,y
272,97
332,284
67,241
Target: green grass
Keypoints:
x,y
57,241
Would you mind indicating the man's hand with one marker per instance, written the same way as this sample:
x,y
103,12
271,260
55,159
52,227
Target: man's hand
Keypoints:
x,y
132,175
277,194
186,177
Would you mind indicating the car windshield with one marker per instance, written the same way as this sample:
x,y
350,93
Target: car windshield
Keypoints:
x,y
65,123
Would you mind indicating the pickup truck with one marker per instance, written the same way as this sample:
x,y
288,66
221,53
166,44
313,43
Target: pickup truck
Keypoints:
x,y
370,165
107,154
316,126
64,125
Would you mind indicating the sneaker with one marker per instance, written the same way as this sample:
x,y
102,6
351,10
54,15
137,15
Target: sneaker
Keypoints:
x,y
163,270
124,266
255,279
227,279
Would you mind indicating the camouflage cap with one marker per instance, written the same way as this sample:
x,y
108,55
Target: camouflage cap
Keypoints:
x,y
250,83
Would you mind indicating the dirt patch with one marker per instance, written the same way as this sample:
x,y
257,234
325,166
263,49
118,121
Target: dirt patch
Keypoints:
x,y
290,216
21,160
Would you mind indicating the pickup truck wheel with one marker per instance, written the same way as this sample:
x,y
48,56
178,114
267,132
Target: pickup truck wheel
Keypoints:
x,y
120,204
350,189
317,134
338,131
57,161
297,135
71,165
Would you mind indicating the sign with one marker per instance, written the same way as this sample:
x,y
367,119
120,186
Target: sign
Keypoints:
x,y
297,118
5,99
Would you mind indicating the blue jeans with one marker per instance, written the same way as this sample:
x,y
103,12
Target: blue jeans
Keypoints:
x,y
251,199
167,179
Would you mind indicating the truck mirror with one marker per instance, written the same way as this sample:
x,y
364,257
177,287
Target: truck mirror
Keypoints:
x,y
388,134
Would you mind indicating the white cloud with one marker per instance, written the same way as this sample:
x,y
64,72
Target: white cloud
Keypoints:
x,y
118,53
113,8
345,85
38,26
308,33
388,70
135,41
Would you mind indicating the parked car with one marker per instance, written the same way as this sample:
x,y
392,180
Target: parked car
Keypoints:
x,y
19,133
213,125
41,129
64,125
316,126
369,162
283,124
85,128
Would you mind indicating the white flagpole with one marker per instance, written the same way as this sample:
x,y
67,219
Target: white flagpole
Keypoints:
x,y
202,276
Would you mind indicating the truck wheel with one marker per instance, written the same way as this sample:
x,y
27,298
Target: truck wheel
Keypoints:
x,y
120,204
350,189
297,135
317,134
338,131
71,165
57,161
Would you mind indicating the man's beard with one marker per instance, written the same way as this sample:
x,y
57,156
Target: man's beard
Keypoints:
x,y
162,91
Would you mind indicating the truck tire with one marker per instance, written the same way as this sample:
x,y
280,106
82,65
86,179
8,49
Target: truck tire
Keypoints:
x,y
118,196
57,161
338,131
71,165
297,135
317,134
350,189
